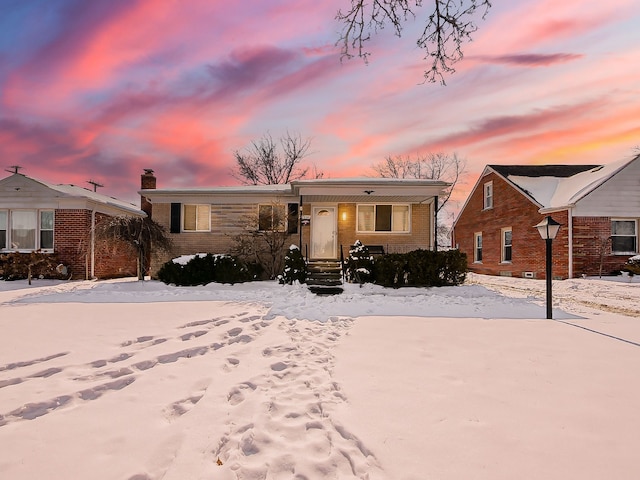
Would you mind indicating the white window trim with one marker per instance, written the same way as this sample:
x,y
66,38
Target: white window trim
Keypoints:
x,y
487,200
37,245
617,252
184,206
503,245
475,246
384,232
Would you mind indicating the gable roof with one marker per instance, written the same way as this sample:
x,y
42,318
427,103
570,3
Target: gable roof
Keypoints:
x,y
74,191
554,187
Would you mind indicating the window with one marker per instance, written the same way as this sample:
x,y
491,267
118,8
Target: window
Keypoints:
x,y
271,217
196,218
46,229
477,250
292,218
488,195
23,229
624,236
26,229
383,218
506,245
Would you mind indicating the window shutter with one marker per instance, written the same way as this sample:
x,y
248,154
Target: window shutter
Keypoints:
x,y
292,218
175,217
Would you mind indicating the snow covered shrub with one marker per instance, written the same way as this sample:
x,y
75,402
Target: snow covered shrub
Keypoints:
x,y
201,269
295,268
632,265
359,264
421,268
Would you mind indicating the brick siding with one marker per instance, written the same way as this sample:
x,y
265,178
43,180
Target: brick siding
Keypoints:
x,y
72,237
510,209
592,246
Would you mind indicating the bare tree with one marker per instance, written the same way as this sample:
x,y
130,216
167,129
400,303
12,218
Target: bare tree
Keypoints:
x,y
432,166
266,237
138,232
448,26
263,163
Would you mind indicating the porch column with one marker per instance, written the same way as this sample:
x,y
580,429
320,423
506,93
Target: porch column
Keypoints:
x,y
435,223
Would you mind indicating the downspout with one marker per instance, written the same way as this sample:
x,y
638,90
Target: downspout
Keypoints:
x,y
300,221
93,243
570,237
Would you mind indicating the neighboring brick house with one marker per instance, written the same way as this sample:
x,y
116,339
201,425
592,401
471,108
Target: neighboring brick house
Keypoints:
x,y
597,205
323,216
38,216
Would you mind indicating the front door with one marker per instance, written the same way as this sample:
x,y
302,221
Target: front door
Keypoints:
x,y
323,232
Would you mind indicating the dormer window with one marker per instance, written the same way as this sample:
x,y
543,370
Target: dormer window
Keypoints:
x,y
488,195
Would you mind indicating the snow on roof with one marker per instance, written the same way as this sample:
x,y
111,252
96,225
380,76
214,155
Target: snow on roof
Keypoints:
x,y
238,189
564,190
76,191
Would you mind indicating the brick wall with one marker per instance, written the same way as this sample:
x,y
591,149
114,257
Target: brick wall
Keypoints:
x,y
592,246
72,237
510,209
114,259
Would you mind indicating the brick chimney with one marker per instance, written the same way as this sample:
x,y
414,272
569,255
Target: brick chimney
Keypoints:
x,y
147,182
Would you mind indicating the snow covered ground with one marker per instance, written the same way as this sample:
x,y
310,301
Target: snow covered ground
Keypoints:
x,y
136,380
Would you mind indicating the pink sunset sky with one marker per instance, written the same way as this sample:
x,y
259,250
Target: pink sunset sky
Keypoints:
x,y
98,90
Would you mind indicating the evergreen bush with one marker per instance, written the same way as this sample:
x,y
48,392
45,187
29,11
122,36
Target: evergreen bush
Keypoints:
x,y
359,265
420,268
295,268
203,269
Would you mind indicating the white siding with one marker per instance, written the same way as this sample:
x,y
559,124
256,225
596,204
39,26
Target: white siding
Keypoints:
x,y
618,197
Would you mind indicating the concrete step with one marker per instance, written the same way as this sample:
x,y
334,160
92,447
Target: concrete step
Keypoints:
x,y
324,282
325,290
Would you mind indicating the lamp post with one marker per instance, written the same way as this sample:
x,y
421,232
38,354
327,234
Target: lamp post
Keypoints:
x,y
548,229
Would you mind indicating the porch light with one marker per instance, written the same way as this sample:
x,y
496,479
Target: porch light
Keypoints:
x,y
344,216
548,229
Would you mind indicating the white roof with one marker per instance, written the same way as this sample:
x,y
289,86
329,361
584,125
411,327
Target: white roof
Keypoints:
x,y
560,192
73,191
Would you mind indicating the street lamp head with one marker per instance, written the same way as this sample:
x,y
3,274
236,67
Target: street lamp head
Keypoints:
x,y
548,228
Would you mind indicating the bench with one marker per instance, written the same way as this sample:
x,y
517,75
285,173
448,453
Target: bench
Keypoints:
x,y
375,250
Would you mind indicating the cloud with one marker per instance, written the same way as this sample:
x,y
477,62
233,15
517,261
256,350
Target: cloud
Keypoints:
x,y
248,67
503,126
531,59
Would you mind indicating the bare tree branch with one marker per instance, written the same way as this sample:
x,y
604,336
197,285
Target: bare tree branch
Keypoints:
x,y
432,166
264,164
450,24
141,233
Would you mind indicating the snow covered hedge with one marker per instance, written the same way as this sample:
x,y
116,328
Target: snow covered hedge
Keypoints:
x,y
420,268
204,268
